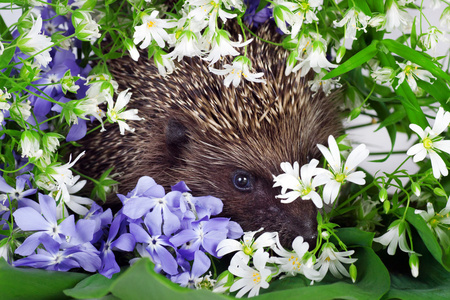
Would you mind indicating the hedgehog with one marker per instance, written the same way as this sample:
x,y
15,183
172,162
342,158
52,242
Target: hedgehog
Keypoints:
x,y
224,142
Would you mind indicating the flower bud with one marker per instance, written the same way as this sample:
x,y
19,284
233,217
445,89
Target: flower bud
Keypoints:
x,y
353,272
382,195
414,265
415,188
386,206
340,53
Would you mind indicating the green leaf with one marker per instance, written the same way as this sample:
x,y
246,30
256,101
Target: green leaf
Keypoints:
x,y
140,281
415,57
95,286
352,236
355,61
372,283
427,236
21,283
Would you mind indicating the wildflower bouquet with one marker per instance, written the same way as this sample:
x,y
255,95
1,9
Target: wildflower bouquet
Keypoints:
x,y
375,230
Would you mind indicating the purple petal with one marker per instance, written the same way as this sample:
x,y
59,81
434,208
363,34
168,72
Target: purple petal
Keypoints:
x,y
124,242
201,264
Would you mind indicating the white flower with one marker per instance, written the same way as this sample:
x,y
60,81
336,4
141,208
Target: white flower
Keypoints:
x,y
251,279
432,144
209,10
240,68
86,29
341,173
411,71
326,85
316,60
131,47
332,260
186,45
222,46
303,186
76,203
353,20
430,39
152,28
117,113
438,222
294,263
33,43
62,176
163,63
444,20
29,142
395,236
396,18
295,14
248,245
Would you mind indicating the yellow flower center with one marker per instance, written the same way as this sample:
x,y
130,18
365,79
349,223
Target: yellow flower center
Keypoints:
x,y
256,277
427,143
340,177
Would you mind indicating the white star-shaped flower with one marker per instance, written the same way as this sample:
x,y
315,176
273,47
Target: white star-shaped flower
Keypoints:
x,y
432,144
340,173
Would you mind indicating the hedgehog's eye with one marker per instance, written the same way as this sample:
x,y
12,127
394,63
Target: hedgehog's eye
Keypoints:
x,y
242,181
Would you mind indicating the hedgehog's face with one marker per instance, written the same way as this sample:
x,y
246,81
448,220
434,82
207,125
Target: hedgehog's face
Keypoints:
x,y
242,177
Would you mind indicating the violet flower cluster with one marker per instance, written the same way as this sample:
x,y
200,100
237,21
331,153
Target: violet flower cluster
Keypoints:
x,y
175,229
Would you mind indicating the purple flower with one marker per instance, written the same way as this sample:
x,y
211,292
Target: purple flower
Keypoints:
x,y
43,222
191,278
60,260
155,245
204,234
125,242
20,192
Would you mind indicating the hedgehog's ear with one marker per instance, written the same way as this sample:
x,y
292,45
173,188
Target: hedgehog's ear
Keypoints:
x,y
176,139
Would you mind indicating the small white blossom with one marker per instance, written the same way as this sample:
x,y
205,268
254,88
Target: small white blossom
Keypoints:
x,y
251,280
332,260
186,45
222,46
430,39
248,245
117,113
353,20
76,203
152,28
383,75
293,263
395,236
33,42
411,71
432,144
397,18
444,20
240,68
86,29
316,60
29,142
303,186
341,173
326,85
439,222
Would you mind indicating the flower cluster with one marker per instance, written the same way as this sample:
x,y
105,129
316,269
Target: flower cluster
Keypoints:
x,y
252,267
305,180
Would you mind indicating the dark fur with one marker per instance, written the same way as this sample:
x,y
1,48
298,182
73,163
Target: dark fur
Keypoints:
x,y
199,131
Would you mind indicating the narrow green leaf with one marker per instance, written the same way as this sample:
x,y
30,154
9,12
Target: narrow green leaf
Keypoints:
x,y
355,61
21,283
413,35
393,118
415,57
